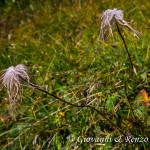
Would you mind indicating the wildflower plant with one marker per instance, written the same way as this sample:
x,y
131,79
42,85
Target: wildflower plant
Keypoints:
x,y
109,18
14,78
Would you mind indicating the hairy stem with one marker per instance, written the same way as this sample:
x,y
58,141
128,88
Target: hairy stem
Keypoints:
x,y
125,86
102,114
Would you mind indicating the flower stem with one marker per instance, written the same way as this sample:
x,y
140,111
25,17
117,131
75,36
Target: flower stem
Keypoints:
x,y
132,71
102,114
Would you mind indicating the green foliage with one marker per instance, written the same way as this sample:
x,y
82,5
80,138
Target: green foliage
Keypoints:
x,y
57,40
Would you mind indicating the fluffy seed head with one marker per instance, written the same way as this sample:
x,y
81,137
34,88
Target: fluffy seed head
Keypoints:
x,y
13,79
108,19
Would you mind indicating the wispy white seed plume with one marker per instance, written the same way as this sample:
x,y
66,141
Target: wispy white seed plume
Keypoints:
x,y
109,17
13,79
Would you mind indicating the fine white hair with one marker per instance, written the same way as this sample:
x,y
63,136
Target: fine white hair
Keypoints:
x,y
108,19
13,79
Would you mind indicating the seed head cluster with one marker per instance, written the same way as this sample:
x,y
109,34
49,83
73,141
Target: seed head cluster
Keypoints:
x,y
13,79
109,17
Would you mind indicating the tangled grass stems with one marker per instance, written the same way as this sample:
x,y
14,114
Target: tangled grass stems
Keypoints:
x,y
102,114
14,76
72,104
39,121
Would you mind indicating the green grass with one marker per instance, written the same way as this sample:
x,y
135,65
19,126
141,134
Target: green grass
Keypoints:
x,y
57,40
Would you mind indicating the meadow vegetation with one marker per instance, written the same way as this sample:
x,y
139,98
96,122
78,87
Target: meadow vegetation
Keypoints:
x,y
58,41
